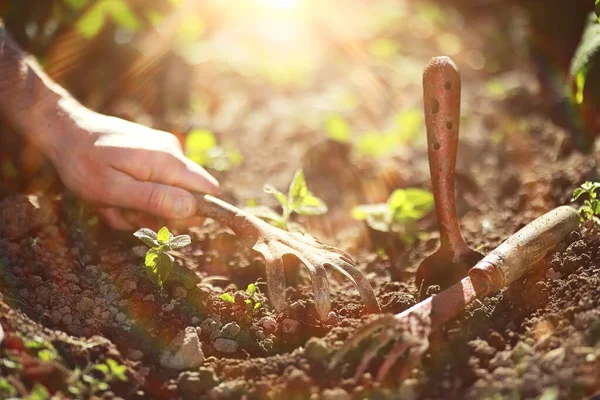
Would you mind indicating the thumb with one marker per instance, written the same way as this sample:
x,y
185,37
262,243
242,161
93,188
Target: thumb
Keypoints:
x,y
157,199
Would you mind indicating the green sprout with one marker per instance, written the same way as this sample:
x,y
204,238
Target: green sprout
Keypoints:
x,y
87,381
591,206
201,146
337,128
43,349
399,214
299,200
159,263
252,302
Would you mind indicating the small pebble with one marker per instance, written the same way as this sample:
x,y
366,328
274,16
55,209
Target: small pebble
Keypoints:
x,y
225,345
269,324
180,292
290,326
168,307
121,317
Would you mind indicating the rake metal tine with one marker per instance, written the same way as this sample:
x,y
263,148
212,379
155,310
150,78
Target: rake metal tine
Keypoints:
x,y
318,277
412,360
384,338
361,283
391,358
362,333
275,277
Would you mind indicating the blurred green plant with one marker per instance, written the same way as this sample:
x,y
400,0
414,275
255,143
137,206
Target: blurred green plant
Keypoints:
x,y
88,382
42,349
39,392
399,214
337,128
7,390
299,200
201,146
251,300
406,129
585,56
159,263
94,19
590,210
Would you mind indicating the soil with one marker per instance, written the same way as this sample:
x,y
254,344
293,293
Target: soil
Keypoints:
x,y
77,287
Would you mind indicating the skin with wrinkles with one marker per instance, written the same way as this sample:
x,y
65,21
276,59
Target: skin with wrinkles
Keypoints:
x,y
441,99
114,164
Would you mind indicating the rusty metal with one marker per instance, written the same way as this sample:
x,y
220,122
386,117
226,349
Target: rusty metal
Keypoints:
x,y
274,243
441,100
410,329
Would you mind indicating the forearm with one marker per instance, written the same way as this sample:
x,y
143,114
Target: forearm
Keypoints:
x,y
29,99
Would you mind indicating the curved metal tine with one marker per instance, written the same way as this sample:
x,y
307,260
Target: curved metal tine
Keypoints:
x,y
384,338
360,282
345,256
275,276
362,333
412,360
396,352
318,276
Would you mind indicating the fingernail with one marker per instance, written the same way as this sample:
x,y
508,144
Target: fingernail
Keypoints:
x,y
183,207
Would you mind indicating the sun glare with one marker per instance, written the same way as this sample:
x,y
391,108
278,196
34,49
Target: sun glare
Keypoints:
x,y
279,3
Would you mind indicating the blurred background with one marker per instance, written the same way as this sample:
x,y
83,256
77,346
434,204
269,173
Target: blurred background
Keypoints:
x,y
255,89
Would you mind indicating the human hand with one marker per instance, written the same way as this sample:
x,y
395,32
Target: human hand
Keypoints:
x,y
116,164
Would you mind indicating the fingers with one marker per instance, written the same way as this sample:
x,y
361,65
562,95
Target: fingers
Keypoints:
x,y
362,285
114,218
168,167
157,199
128,220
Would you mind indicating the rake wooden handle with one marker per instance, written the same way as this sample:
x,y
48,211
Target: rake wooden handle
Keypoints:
x,y
515,256
441,100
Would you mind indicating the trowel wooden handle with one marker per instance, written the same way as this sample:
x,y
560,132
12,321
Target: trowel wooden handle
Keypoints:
x,y
441,101
515,256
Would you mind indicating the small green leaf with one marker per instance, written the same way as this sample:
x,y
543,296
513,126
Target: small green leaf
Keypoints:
x,y
337,128
298,190
283,200
160,265
228,298
257,305
116,369
361,212
577,193
148,236
164,235
47,355
595,207
197,144
177,242
380,222
251,289
102,368
6,389
311,205
585,55
39,392
397,199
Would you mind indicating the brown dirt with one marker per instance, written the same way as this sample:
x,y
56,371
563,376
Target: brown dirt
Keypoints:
x,y
78,285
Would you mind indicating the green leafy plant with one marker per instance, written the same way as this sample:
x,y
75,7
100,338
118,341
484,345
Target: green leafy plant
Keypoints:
x,y
590,210
399,214
299,200
6,389
43,349
201,146
252,302
585,55
88,381
159,263
337,128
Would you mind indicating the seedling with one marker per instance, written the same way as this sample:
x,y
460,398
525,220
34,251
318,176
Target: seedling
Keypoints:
x,y
299,200
590,210
43,349
159,263
88,381
201,146
252,301
399,214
